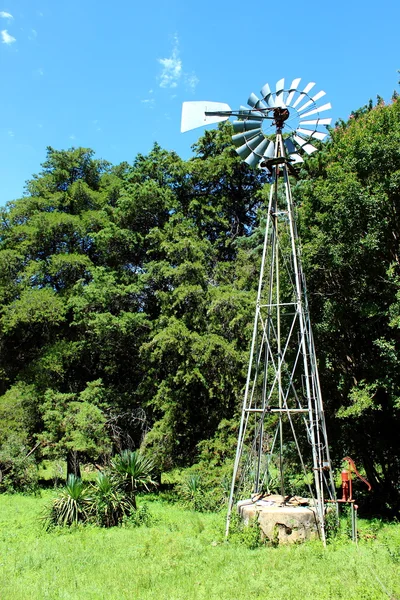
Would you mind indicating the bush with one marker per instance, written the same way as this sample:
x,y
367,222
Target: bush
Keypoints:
x,y
18,471
109,504
195,494
133,472
109,501
140,516
73,505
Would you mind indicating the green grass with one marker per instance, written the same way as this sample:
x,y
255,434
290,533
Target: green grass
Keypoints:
x,y
183,557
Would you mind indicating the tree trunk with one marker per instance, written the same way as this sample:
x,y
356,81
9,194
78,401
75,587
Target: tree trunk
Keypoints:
x,y
73,464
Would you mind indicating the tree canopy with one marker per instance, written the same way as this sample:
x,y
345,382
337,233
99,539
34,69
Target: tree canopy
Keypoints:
x,y
127,295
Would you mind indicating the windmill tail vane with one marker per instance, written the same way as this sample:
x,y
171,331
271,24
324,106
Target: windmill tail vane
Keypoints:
x,y
282,391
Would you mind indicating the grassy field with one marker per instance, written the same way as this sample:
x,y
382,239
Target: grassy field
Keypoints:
x,y
182,557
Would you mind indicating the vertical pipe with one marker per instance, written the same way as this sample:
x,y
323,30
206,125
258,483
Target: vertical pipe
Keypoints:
x,y
278,324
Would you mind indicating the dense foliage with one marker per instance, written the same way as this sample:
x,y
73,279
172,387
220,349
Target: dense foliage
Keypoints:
x,y
350,226
124,305
126,300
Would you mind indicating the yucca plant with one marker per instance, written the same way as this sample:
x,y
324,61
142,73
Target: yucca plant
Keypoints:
x,y
134,472
192,486
109,503
72,505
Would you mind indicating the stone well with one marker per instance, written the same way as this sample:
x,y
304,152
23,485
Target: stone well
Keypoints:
x,y
289,522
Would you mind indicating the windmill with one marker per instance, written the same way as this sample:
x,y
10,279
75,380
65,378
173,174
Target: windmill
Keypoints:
x,y
282,414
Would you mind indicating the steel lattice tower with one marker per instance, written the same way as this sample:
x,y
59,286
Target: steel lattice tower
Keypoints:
x,y
282,414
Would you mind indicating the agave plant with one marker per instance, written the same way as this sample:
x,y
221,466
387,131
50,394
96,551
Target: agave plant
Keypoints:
x,y
134,472
110,504
71,506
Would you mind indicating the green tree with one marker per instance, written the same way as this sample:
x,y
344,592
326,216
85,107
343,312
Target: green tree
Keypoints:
x,y
350,210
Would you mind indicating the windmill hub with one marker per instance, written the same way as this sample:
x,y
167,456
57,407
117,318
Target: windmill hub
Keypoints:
x,y
280,116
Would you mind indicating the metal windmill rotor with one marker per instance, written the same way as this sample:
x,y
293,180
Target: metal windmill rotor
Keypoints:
x,y
290,107
282,388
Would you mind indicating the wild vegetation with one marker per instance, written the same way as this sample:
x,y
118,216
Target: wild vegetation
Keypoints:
x,y
108,500
181,554
126,303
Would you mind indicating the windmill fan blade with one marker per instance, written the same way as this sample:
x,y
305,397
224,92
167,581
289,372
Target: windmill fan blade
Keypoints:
x,y
193,114
250,146
309,148
256,102
270,151
290,147
317,122
319,135
240,126
313,99
308,87
317,110
267,96
292,90
296,158
242,138
255,157
252,160
279,93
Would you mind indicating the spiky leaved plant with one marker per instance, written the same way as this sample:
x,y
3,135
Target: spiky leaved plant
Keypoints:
x,y
110,504
134,472
72,505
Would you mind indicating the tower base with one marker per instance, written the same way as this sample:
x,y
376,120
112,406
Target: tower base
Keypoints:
x,y
280,522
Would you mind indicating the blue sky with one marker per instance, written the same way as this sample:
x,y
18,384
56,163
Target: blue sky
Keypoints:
x,y
112,75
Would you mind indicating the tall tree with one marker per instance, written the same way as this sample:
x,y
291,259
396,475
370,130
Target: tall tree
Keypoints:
x,y
350,211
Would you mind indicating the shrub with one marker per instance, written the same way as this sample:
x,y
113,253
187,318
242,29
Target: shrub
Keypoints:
x,y
73,505
133,472
18,471
109,505
195,494
139,517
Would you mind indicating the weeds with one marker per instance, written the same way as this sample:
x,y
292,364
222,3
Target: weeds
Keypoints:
x,y
247,534
195,494
140,517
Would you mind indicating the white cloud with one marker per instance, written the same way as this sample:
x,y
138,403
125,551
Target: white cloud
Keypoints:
x,y
6,37
72,137
172,72
5,15
191,81
11,133
33,35
172,67
149,101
